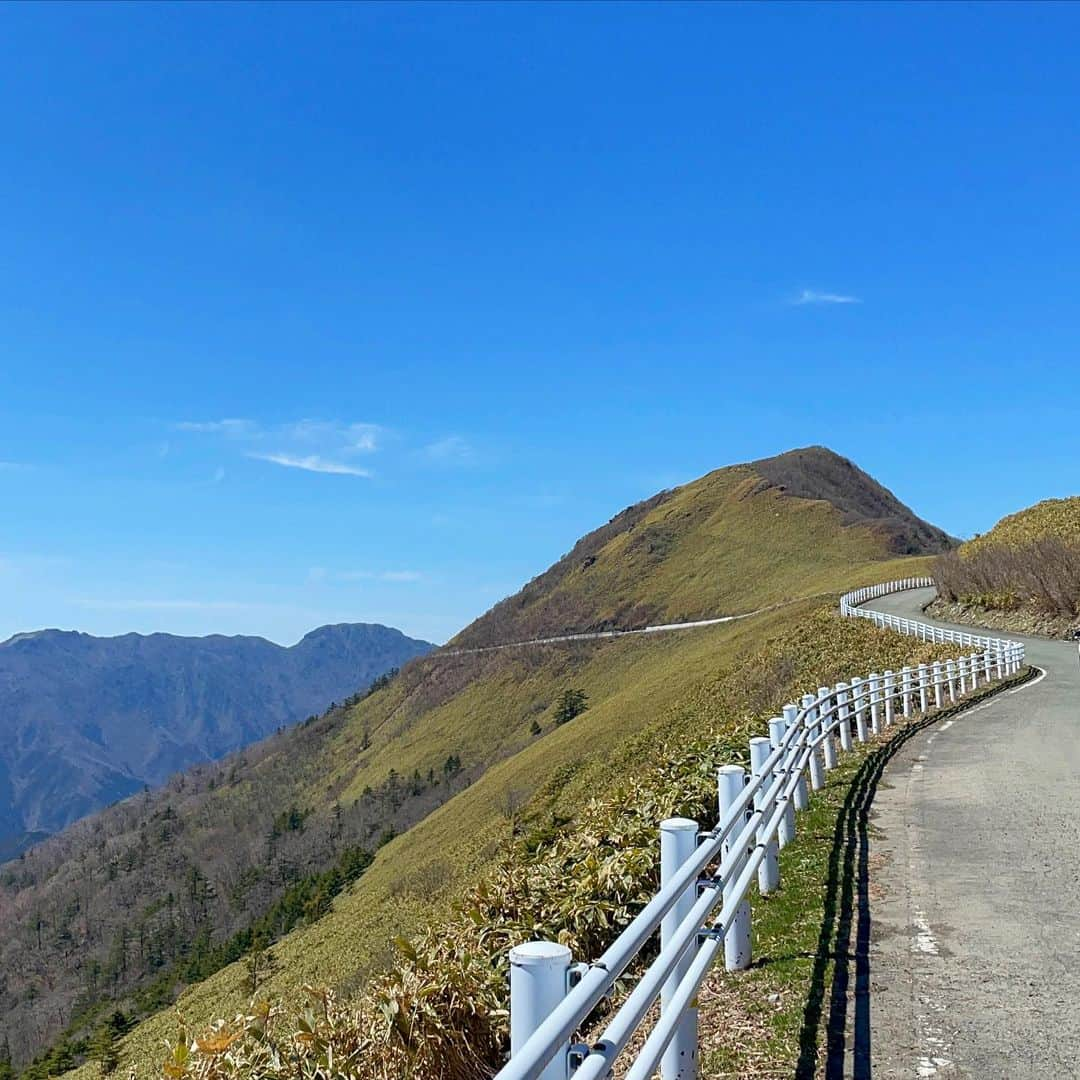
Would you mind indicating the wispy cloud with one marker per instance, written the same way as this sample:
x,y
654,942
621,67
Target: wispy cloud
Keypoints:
x,y
333,447
236,428
320,574
350,438
170,605
399,576
453,450
318,446
815,296
14,466
312,463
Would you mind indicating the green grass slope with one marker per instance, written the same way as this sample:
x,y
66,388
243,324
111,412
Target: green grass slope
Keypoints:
x,y
736,540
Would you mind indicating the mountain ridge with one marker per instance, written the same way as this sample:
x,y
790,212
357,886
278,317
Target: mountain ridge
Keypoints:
x,y
643,536
86,720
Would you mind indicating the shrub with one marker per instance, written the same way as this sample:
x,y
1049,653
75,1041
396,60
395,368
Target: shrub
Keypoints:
x,y
1043,574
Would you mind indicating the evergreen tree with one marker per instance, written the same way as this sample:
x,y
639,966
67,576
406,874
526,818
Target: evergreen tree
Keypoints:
x,y
569,704
103,1048
7,1070
260,962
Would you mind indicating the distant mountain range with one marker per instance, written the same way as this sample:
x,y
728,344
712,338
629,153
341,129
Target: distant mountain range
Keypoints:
x,y
86,720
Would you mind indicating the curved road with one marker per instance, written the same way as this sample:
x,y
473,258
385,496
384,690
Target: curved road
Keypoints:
x,y
974,890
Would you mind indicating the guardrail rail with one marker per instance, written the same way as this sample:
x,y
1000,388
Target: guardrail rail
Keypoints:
x,y
551,996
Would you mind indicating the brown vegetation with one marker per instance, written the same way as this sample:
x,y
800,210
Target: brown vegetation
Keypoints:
x,y
1042,574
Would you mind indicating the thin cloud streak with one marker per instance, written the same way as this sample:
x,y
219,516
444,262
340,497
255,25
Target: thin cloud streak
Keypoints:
x,y
313,463
400,576
173,605
236,428
453,450
814,296
319,574
355,437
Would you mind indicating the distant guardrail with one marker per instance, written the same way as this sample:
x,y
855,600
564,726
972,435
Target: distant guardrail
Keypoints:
x,y
595,635
551,996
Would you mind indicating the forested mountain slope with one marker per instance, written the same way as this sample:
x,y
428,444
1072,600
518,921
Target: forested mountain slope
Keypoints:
x,y
81,918
85,721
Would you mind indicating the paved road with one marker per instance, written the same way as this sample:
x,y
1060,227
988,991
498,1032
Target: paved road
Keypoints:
x,y
598,635
974,887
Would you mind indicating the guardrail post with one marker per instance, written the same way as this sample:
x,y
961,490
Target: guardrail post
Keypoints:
x,y
829,745
924,686
950,677
936,672
905,681
842,714
768,875
961,668
785,831
989,658
678,842
890,693
973,667
875,702
859,703
539,971
813,729
731,781
802,798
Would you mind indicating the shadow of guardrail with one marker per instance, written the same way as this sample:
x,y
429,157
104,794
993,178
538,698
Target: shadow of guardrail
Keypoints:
x,y
839,999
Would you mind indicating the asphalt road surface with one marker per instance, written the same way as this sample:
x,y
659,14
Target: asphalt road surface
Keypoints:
x,y
974,887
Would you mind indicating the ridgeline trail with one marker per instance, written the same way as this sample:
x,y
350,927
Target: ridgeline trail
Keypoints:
x,y
972,967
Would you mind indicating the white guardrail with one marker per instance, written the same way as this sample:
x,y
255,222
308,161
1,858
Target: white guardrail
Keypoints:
x,y
551,997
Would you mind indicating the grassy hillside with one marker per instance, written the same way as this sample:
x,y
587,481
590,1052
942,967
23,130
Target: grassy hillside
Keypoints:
x,y
450,743
1051,519
1023,575
551,835
733,541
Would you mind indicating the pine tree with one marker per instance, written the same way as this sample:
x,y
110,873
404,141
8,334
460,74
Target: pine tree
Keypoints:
x,y
103,1048
7,1070
570,703
260,962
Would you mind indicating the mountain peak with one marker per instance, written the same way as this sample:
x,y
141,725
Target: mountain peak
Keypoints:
x,y
739,537
816,472
352,632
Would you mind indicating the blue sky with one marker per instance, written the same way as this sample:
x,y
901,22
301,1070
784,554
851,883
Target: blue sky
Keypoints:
x,y
328,313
